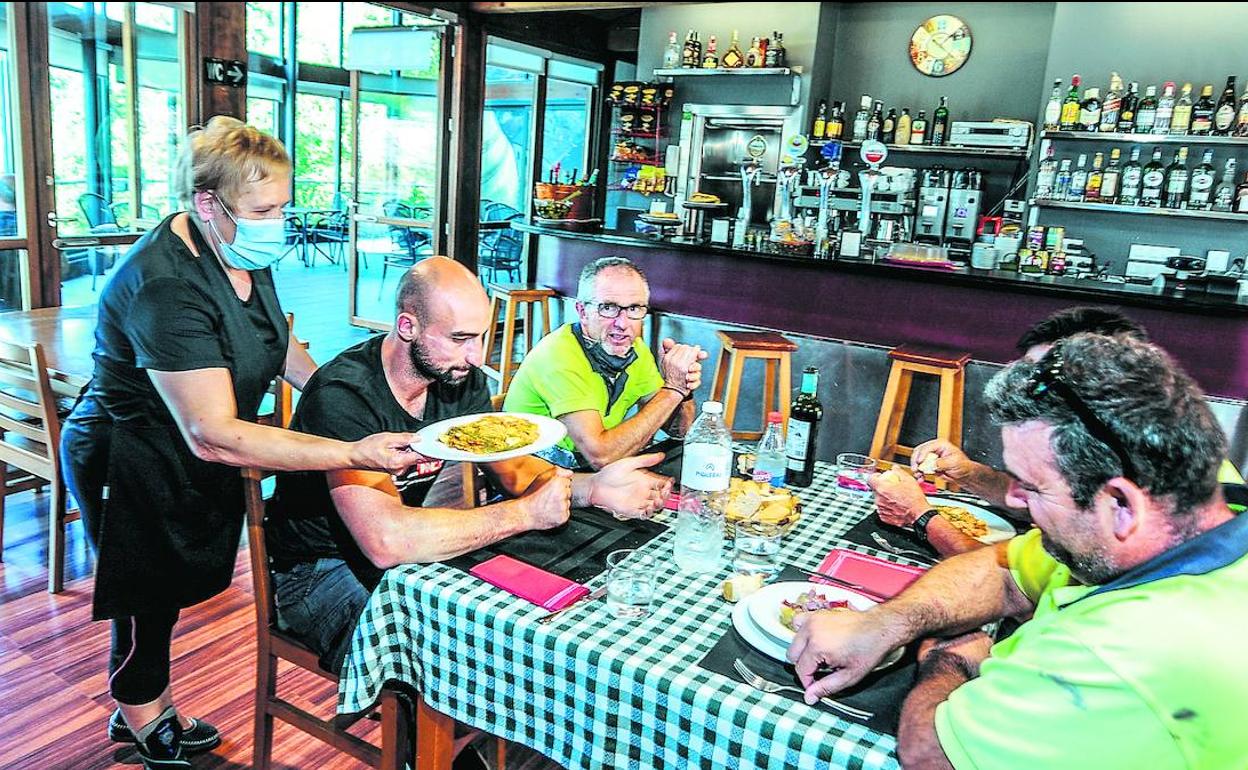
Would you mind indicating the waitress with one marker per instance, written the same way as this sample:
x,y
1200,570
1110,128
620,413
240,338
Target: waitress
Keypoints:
x,y
189,337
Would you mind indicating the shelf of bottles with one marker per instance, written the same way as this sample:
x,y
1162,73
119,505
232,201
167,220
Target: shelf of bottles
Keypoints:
x,y
1241,141
1113,208
941,149
718,71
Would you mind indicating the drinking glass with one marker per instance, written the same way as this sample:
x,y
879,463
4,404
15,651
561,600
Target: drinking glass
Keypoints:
x,y
756,549
852,471
630,583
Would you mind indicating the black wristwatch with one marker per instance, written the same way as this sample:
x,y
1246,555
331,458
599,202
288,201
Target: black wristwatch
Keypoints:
x,y
920,524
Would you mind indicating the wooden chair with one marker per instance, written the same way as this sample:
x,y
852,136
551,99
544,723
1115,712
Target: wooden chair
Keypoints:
x,y
510,297
282,392
775,351
30,437
908,360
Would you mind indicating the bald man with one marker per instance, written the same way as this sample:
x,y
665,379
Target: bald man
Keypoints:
x,y
332,535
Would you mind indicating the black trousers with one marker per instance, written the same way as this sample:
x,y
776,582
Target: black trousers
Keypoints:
x,y
138,666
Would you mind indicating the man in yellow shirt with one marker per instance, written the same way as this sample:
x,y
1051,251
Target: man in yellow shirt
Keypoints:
x,y
1135,581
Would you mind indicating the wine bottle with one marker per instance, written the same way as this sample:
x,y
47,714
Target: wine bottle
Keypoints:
x,y
802,443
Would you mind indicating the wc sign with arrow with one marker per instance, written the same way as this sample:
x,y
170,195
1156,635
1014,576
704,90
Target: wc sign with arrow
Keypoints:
x,y
225,72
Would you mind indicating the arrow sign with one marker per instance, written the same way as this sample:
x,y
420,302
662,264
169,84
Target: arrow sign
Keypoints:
x,y
225,72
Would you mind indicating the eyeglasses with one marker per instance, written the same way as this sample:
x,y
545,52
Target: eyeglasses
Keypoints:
x,y
612,310
1049,378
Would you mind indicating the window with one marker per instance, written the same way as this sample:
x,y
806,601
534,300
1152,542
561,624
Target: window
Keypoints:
x,y
568,118
264,29
318,33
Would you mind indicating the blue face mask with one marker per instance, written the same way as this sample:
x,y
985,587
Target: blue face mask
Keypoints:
x,y
258,243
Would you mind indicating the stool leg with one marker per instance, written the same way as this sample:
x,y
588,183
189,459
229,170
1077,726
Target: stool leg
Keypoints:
x,y
734,388
529,314
721,372
949,419
509,345
786,386
488,346
892,408
545,317
769,389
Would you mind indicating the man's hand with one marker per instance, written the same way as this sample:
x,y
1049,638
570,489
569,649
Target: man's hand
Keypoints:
x,y
952,464
629,491
547,503
681,365
848,642
898,497
390,452
972,649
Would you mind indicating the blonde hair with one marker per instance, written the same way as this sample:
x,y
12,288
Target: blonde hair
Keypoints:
x,y
226,155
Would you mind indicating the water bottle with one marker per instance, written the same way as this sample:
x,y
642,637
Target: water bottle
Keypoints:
x,y
705,471
769,458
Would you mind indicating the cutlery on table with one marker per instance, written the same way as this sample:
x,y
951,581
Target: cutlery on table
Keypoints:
x,y
761,683
887,546
594,595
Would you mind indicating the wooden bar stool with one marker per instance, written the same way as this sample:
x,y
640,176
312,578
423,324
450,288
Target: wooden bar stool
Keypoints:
x,y
908,360
508,297
738,347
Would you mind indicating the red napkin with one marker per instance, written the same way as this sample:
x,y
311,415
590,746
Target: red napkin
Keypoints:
x,y
543,588
880,576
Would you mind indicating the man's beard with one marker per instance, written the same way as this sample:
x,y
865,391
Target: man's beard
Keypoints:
x,y
425,368
1091,567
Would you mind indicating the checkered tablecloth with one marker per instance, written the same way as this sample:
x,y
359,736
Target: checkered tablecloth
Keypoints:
x,y
592,691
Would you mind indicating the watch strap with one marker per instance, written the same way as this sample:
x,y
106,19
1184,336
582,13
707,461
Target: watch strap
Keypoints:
x,y
920,524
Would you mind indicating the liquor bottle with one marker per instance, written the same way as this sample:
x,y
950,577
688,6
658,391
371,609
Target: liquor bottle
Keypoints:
x,y
1224,115
888,134
1111,180
875,123
1181,122
1176,181
940,122
1165,109
1061,183
1090,110
1224,196
1111,105
691,54
754,56
1079,179
1241,196
903,127
1146,115
819,127
918,128
835,128
1152,181
761,60
1241,115
1052,110
733,58
802,442
671,55
1131,180
776,55
1046,177
1092,188
1130,106
710,61
1202,112
861,117
1070,107
1201,196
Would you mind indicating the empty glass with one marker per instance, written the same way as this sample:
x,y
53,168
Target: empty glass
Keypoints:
x,y
852,471
630,583
756,549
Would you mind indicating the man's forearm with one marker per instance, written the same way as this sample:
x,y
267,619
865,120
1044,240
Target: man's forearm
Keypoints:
x,y
947,539
681,419
628,438
918,745
988,483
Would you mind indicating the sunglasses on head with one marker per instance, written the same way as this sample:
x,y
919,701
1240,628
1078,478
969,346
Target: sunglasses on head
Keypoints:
x,y
1049,378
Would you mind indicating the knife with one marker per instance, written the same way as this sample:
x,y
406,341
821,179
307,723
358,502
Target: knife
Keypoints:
x,y
597,593
851,586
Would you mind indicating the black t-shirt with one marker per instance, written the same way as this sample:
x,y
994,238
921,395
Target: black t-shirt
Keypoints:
x,y
348,399
169,310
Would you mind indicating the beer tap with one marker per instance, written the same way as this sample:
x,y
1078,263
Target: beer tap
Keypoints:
x,y
751,175
787,186
827,180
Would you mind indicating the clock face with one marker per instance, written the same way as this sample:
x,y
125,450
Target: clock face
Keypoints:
x,y
940,45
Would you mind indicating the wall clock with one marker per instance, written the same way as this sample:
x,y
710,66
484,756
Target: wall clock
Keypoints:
x,y
940,45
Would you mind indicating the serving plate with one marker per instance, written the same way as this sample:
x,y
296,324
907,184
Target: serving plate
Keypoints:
x,y
429,438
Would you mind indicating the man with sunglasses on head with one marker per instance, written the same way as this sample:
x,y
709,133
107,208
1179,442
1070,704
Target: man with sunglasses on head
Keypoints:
x,y
590,373
1135,581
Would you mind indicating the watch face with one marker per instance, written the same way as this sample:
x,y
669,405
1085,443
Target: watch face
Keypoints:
x,y
940,45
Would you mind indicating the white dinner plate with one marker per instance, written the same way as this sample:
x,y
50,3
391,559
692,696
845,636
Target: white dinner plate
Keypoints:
x,y
759,640
764,605
998,528
429,438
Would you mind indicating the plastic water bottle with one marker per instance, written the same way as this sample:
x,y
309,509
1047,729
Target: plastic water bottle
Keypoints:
x,y
770,462
704,475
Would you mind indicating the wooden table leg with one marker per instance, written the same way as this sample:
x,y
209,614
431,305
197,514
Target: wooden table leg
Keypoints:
x,y
435,738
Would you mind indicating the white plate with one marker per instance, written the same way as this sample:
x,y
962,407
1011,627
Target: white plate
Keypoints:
x,y
764,604
429,444
998,528
756,638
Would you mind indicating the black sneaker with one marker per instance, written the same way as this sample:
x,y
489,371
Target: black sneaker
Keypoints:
x,y
196,739
163,748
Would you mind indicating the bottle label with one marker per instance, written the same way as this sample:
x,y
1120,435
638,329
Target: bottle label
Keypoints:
x,y
810,382
795,445
706,467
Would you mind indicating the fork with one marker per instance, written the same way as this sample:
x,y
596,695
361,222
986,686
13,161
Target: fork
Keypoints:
x,y
759,682
887,546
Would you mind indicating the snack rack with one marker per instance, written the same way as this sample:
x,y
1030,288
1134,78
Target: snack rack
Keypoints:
x,y
639,136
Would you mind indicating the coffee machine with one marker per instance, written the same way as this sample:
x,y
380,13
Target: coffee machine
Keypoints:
x,y
933,205
962,213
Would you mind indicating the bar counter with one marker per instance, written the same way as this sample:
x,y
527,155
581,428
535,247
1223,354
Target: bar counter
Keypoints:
x,y
979,311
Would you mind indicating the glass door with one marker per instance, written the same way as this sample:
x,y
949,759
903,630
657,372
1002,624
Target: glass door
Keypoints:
x,y
396,164
115,74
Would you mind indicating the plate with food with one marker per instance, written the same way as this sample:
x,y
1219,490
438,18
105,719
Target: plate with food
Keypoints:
x,y
484,438
974,521
765,618
759,501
